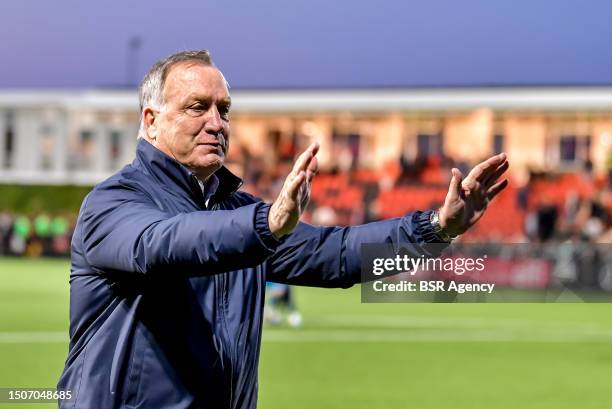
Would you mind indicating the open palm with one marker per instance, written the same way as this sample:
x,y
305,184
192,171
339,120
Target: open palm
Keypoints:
x,y
467,199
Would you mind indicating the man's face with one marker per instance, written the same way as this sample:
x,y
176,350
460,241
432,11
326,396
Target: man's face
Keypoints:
x,y
193,127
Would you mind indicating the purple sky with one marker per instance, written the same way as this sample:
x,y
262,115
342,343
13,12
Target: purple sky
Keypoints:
x,y
314,43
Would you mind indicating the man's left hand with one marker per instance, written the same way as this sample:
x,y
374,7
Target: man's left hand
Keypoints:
x,y
468,198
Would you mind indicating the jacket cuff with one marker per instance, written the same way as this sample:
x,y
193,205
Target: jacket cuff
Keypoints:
x,y
263,228
422,222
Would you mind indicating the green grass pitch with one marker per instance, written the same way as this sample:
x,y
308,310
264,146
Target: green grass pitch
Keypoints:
x,y
353,355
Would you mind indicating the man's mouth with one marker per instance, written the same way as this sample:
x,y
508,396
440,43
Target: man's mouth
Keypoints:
x,y
213,142
217,146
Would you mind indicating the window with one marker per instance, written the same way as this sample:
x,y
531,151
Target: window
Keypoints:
x,y
47,146
568,147
430,145
346,146
87,149
574,149
498,144
9,143
115,150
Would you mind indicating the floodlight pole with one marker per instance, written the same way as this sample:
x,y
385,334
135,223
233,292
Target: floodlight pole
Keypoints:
x,y
134,44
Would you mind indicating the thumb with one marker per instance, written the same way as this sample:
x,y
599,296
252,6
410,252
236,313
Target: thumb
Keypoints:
x,y
455,183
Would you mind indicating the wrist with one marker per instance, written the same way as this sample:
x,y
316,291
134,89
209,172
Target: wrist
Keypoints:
x,y
275,224
440,227
262,226
274,228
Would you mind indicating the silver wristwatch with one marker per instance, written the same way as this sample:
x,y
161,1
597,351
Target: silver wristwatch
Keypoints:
x,y
434,220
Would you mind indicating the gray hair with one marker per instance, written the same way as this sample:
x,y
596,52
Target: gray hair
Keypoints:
x,y
151,90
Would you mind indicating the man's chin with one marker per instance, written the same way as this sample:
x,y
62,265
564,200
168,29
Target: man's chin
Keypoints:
x,y
210,163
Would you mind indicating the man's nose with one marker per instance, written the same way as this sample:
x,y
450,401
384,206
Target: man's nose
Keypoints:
x,y
213,125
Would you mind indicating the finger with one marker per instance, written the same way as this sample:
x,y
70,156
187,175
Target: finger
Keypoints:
x,y
484,169
312,169
314,148
293,189
304,195
492,164
496,188
303,161
496,174
314,165
454,188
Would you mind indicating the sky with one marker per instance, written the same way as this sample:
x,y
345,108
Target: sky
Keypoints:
x,y
312,44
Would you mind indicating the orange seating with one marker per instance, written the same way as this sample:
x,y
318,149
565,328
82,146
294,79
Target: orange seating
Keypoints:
x,y
556,190
503,219
399,201
335,192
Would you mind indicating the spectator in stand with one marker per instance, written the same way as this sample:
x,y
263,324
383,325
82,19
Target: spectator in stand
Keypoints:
x,y
6,227
22,228
42,231
547,216
60,233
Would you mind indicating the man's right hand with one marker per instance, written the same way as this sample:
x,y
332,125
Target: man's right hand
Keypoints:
x,y
293,198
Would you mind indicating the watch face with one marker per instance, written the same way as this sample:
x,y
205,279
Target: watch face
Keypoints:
x,y
437,229
433,218
435,221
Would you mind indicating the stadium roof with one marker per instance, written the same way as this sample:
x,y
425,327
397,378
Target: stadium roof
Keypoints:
x,y
356,100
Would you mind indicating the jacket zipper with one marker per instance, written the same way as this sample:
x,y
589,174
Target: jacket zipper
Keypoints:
x,y
222,305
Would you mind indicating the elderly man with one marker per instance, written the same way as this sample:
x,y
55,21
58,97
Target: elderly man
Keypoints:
x,y
170,259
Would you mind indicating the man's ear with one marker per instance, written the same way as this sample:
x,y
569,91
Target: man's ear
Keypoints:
x,y
150,127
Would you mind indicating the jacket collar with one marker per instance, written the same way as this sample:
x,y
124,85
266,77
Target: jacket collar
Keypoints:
x,y
171,173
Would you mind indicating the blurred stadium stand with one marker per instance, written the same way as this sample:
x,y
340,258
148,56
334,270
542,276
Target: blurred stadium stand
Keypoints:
x,y
385,152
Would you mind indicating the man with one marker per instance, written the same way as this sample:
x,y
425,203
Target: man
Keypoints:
x,y
170,260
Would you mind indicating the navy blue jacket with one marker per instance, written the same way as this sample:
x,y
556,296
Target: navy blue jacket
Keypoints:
x,y
167,294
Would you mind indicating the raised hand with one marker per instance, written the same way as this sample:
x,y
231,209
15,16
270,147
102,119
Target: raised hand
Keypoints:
x,y
468,198
293,198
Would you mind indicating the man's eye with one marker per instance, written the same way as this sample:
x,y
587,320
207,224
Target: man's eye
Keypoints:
x,y
224,112
196,109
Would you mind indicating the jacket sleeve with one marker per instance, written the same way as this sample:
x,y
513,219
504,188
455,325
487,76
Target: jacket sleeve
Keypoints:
x,y
123,229
330,256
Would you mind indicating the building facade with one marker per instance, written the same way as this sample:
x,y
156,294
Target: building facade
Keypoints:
x,y
81,137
